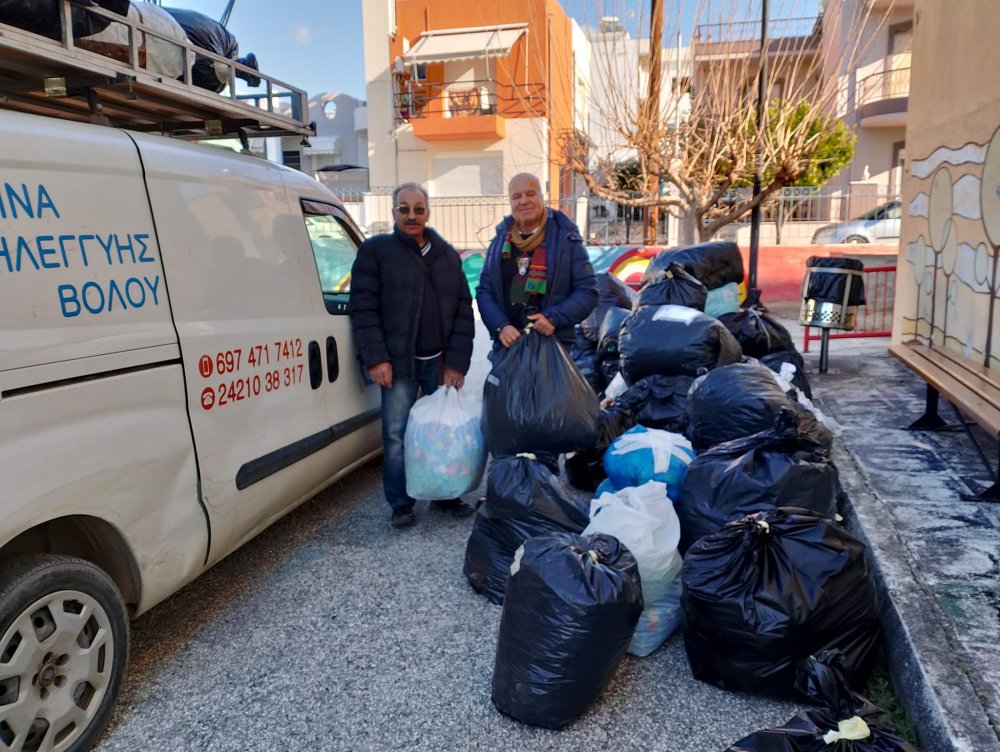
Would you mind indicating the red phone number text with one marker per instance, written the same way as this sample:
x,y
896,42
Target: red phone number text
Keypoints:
x,y
230,361
231,392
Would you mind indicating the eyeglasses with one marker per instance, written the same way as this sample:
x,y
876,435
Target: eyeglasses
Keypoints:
x,y
418,210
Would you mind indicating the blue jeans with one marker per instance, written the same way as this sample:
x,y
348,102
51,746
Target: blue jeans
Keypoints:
x,y
396,404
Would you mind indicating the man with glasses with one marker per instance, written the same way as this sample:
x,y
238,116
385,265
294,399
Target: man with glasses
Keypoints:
x,y
412,316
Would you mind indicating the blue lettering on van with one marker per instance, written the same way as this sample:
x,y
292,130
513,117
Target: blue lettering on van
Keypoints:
x,y
44,250
140,238
17,201
96,299
64,239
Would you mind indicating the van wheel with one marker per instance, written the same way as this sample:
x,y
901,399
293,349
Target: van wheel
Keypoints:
x,y
856,239
63,652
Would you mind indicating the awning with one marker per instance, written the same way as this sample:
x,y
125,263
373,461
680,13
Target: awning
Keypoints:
x,y
464,44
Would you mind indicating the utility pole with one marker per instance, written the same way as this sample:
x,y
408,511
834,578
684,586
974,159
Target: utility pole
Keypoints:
x,y
755,213
652,114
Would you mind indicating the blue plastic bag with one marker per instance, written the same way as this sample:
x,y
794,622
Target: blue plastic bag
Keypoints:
x,y
643,454
443,448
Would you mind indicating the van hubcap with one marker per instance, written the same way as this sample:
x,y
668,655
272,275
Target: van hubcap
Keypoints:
x,y
56,662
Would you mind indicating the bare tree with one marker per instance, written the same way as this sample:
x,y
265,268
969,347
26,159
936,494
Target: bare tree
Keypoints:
x,y
705,142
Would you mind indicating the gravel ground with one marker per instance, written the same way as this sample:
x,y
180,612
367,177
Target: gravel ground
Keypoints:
x,y
332,631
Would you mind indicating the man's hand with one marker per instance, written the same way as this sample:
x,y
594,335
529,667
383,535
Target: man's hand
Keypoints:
x,y
382,374
453,378
542,324
509,335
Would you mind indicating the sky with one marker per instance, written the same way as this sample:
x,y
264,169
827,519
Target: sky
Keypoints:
x,y
317,45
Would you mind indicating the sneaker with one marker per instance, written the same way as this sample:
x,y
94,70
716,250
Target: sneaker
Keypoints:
x,y
455,507
402,518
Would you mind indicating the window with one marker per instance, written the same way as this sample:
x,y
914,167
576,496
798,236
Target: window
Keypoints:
x,y
292,159
334,246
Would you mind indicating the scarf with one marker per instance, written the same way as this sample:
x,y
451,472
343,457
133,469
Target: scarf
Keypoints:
x,y
535,283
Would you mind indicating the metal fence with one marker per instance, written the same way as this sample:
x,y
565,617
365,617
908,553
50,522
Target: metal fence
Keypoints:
x,y
790,218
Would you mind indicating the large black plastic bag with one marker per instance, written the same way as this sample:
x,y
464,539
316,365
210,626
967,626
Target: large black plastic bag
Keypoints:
x,y
673,286
757,333
45,16
772,589
571,609
523,499
776,360
713,264
779,467
209,34
612,293
732,402
838,711
829,286
585,469
673,341
607,338
536,400
657,402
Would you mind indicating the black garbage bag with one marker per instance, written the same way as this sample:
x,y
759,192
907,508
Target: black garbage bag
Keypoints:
x,y
779,467
581,345
585,469
713,264
607,339
571,608
673,286
612,293
732,402
831,286
838,710
590,368
658,402
768,591
211,35
609,369
673,341
775,360
45,16
536,400
757,333
523,499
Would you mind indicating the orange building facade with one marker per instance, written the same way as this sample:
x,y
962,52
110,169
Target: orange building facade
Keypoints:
x,y
462,95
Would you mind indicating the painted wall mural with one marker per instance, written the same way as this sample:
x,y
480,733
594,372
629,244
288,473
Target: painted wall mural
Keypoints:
x,y
947,283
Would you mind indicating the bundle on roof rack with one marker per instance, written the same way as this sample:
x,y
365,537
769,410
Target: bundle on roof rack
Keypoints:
x,y
45,16
211,35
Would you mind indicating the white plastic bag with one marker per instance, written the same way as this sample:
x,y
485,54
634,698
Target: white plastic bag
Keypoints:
x,y
443,448
643,518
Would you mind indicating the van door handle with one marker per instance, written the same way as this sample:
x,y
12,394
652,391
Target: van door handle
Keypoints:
x,y
332,360
315,365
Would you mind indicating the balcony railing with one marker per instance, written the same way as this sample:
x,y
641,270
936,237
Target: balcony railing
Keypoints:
x,y
470,98
887,84
745,31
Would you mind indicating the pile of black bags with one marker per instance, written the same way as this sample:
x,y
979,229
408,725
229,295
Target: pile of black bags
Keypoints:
x,y
571,608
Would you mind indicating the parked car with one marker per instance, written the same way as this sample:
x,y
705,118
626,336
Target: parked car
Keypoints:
x,y
878,225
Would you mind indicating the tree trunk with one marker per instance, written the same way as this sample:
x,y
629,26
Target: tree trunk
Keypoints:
x,y
687,228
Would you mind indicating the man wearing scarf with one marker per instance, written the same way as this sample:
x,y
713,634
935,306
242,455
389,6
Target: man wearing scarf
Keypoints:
x,y
536,271
412,317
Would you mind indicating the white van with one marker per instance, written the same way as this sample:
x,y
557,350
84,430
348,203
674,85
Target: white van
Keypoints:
x,y
176,373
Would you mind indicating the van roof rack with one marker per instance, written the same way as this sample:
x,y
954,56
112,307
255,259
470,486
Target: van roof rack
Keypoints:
x,y
60,79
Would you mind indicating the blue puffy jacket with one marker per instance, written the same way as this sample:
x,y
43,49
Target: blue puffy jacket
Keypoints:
x,y
571,288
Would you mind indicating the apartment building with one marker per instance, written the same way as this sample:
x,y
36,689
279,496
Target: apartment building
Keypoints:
x,y
464,95
874,86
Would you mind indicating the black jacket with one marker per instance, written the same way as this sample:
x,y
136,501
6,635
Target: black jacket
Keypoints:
x,y
387,290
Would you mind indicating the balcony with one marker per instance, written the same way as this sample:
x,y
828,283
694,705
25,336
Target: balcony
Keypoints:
x,y
742,38
466,110
882,98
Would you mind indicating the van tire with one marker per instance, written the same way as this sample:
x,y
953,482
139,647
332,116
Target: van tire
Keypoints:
x,y
55,612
